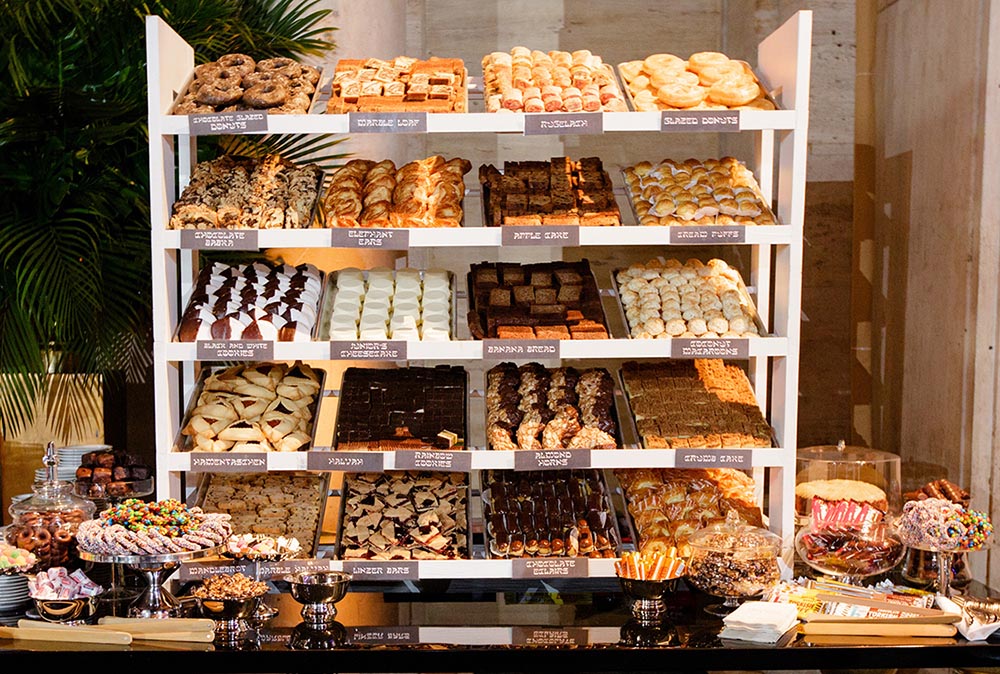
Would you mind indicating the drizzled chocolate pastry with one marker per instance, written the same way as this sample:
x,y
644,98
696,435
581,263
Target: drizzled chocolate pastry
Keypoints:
x,y
548,514
253,301
405,515
531,407
408,408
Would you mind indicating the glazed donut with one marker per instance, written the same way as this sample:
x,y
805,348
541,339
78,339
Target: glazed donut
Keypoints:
x,y
286,66
301,86
734,92
656,62
703,59
310,74
222,88
662,78
266,95
205,71
265,77
240,62
682,95
63,536
709,75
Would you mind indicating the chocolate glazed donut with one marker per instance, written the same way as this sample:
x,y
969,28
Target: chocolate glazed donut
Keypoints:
x,y
240,62
266,95
221,87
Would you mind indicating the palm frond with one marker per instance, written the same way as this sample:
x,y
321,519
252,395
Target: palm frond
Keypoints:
x,y
72,402
285,27
299,149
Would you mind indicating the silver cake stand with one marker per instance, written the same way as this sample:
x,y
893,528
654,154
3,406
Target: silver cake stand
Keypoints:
x,y
155,601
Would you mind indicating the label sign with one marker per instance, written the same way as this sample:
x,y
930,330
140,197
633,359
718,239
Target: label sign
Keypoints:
x,y
270,570
243,121
209,462
449,461
684,234
561,567
540,235
499,349
383,570
199,570
384,635
235,349
709,348
368,350
700,120
387,122
352,462
546,636
551,458
547,123
714,458
219,239
358,237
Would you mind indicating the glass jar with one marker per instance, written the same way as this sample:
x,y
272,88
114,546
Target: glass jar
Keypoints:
x,y
46,522
836,473
733,560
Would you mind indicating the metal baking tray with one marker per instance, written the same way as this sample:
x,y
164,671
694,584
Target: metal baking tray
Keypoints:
x,y
473,308
634,424
325,77
318,484
329,298
631,101
335,100
465,414
609,509
614,409
630,198
341,517
184,443
741,288
313,333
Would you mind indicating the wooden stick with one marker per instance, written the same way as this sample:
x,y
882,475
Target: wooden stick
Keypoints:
x,y
158,624
72,634
861,628
144,631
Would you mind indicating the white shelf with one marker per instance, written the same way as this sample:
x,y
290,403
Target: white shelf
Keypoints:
x,y
491,123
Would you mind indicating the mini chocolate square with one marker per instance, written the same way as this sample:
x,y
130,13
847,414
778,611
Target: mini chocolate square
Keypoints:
x,y
513,275
570,293
540,202
568,276
516,201
541,279
524,294
500,297
549,310
545,296
487,275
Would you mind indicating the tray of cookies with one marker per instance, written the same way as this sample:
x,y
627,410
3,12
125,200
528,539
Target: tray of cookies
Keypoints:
x,y
235,82
382,303
560,191
663,299
692,192
418,408
255,407
706,80
256,301
428,192
527,80
232,192
548,514
405,515
289,504
693,404
532,407
543,300
402,84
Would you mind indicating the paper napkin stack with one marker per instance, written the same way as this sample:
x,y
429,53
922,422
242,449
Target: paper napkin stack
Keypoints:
x,y
759,621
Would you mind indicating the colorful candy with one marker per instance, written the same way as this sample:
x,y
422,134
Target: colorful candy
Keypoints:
x,y
14,559
939,524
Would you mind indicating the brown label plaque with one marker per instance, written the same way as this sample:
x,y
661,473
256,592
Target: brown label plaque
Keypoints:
x,y
540,235
350,462
358,237
551,458
548,636
557,123
219,239
714,347
199,570
714,458
209,462
368,350
700,120
227,123
561,567
383,570
234,349
449,461
694,234
288,567
502,349
409,634
387,122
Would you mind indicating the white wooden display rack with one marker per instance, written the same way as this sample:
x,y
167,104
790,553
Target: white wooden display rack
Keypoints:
x,y
783,63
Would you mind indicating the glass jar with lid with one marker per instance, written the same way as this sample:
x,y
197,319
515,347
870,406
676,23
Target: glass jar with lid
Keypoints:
x,y
733,560
838,473
45,523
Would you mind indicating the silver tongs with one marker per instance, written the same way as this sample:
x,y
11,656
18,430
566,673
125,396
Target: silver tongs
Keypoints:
x,y
985,611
